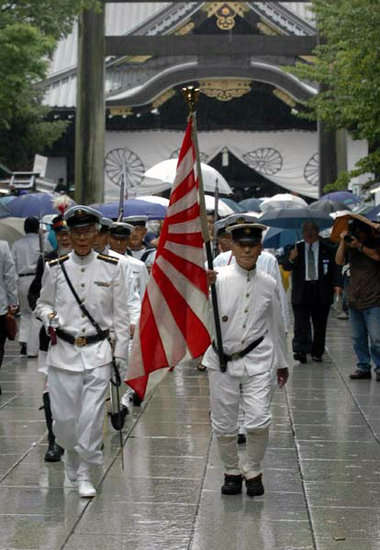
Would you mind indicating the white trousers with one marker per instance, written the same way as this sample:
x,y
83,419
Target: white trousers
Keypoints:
x,y
77,404
254,395
29,328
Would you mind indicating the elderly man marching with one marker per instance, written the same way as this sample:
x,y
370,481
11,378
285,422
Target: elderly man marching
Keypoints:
x,y
255,351
84,298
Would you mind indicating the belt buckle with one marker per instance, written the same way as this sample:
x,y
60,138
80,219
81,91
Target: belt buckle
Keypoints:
x,y
235,356
80,341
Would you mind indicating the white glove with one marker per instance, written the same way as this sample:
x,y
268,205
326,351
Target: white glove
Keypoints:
x,y
52,321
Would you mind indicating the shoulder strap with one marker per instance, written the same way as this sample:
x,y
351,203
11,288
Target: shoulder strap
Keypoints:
x,y
81,305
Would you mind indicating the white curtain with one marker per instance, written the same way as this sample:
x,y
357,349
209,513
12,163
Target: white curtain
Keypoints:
x,y
288,158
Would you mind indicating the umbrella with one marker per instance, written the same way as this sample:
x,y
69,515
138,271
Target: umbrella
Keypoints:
x,y
162,175
374,214
34,204
155,199
282,200
233,204
250,205
133,207
343,196
293,218
11,229
329,206
223,208
341,223
279,238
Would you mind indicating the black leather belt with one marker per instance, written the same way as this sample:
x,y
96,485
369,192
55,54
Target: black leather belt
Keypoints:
x,y
26,274
81,341
242,353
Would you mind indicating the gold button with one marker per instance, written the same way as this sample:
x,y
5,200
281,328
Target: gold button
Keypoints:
x,y
82,285
244,325
83,330
247,295
83,270
243,341
246,310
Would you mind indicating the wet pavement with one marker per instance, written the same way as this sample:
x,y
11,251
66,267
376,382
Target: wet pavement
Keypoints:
x,y
322,468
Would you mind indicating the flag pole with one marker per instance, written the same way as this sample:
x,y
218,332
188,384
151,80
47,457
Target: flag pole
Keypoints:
x,y
191,95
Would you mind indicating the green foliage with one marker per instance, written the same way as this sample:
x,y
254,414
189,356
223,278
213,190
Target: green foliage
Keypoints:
x,y
347,69
28,34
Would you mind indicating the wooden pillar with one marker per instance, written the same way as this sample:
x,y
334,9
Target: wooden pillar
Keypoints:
x,y
90,114
327,156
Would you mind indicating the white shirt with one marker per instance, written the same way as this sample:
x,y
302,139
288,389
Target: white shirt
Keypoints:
x,y
102,287
266,262
315,249
140,273
25,252
134,299
249,307
8,279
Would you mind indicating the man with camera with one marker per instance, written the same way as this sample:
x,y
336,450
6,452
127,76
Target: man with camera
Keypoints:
x,y
361,247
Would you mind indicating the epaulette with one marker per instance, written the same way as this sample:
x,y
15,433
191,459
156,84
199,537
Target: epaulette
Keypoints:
x,y
58,260
109,259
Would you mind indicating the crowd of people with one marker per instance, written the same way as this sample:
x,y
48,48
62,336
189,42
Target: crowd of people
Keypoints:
x,y
79,304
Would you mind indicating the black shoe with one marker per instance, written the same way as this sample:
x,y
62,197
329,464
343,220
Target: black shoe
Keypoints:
x,y
301,357
377,377
232,485
54,453
255,487
136,400
118,419
241,439
361,375
316,358
23,348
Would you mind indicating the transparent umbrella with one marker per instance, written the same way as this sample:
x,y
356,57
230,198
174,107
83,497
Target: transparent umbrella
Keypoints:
x,y
161,176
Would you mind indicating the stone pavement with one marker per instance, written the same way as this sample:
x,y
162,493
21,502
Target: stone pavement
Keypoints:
x,y
322,469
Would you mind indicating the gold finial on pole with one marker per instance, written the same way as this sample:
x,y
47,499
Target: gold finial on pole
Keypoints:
x,y
191,96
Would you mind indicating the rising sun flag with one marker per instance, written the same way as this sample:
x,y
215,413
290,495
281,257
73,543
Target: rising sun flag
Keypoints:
x,y
174,310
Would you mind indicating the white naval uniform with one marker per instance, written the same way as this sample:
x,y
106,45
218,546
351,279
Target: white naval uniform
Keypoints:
x,y
25,252
268,263
140,273
249,307
78,377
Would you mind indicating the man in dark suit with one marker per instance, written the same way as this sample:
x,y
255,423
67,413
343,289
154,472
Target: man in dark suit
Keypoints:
x,y
314,278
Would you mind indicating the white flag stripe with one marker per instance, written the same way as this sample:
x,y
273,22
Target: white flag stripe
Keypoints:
x,y
193,226
171,336
184,169
138,369
194,297
184,203
189,253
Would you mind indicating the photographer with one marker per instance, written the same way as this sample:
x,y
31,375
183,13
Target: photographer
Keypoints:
x,y
361,248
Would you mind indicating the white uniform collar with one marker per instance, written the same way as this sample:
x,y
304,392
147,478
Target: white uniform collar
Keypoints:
x,y
83,260
243,271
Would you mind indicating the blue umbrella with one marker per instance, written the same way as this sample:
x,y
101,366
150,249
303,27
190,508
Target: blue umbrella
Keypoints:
x,y
279,238
342,196
133,207
373,214
293,218
33,204
250,205
236,207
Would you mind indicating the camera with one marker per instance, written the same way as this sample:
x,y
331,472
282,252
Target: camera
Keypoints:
x,y
349,238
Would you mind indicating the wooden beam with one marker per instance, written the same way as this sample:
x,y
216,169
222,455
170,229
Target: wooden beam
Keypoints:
x,y
207,45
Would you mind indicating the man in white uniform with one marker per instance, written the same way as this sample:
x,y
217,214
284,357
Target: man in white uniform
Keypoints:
x,y
80,354
25,252
8,292
136,246
114,231
255,350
